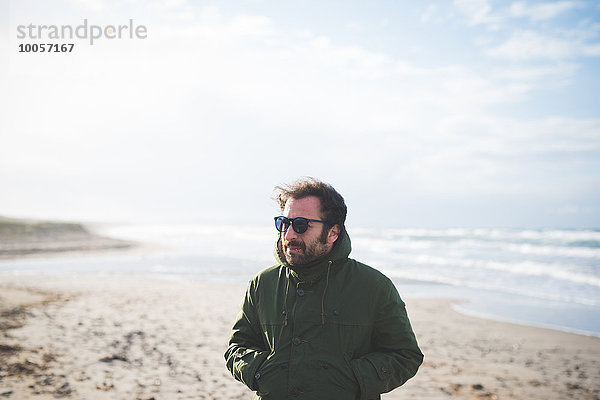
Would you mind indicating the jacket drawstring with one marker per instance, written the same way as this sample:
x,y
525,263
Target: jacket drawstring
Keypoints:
x,y
287,287
325,291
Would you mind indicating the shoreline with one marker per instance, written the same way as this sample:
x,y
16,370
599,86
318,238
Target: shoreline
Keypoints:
x,y
461,309
518,309
461,303
50,241
102,337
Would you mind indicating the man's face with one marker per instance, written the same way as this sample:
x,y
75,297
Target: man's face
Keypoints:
x,y
302,248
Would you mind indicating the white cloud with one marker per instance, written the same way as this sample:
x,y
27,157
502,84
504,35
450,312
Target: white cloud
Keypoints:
x,y
531,45
541,11
592,50
530,42
354,26
494,155
480,12
536,74
175,9
210,99
433,14
246,25
169,4
476,11
343,88
570,209
95,6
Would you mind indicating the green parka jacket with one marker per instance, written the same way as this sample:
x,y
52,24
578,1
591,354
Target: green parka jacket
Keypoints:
x,y
332,329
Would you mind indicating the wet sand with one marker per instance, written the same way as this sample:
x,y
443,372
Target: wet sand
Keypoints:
x,y
127,338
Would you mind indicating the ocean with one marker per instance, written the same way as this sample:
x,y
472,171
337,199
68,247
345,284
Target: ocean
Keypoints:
x,y
547,278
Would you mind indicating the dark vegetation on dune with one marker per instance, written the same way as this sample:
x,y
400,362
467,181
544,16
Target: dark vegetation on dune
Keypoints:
x,y
12,228
23,237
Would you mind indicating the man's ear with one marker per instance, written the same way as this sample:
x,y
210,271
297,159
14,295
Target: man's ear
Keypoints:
x,y
333,234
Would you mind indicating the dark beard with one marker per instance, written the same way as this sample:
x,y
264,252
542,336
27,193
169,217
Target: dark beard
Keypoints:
x,y
308,255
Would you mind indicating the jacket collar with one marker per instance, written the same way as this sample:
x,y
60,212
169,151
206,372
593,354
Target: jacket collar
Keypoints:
x,y
314,270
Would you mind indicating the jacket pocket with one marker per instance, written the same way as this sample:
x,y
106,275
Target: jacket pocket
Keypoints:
x,y
271,379
334,377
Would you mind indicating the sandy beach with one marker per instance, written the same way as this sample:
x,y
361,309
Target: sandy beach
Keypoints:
x,y
117,337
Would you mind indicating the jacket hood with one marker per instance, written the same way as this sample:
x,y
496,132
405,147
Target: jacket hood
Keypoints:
x,y
315,269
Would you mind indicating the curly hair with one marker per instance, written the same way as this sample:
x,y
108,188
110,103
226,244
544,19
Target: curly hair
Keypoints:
x,y
333,207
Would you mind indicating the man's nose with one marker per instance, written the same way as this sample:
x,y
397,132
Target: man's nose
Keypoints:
x,y
290,234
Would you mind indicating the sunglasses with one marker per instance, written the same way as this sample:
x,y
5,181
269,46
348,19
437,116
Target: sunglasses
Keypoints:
x,y
299,224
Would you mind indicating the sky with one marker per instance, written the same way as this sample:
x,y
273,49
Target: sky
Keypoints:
x,y
464,113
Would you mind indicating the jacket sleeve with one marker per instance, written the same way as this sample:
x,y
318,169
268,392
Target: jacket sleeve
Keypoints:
x,y
397,356
246,350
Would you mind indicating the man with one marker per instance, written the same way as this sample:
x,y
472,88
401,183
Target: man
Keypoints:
x,y
319,325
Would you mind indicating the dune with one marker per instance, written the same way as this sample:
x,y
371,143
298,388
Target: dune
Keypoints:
x,y
24,237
